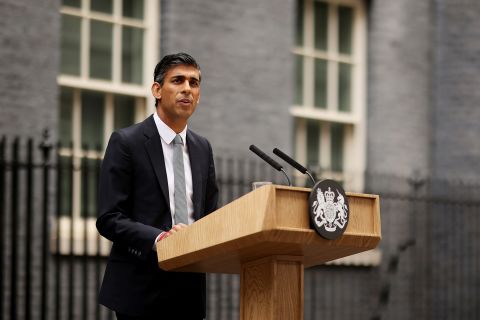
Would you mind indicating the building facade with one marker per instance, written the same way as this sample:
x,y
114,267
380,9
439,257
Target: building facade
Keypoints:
x,y
381,95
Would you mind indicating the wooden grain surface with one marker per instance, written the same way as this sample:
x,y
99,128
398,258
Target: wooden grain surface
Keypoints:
x,y
272,289
272,220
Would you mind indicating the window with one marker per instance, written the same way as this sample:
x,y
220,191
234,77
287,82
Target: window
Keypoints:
x,y
104,40
329,99
108,53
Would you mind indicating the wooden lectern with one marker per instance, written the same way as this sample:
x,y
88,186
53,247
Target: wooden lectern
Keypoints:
x,y
265,236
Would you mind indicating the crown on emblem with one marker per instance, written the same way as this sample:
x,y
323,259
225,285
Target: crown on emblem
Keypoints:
x,y
329,195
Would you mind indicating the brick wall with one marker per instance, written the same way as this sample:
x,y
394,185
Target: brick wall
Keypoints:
x,y
456,83
243,47
399,67
29,55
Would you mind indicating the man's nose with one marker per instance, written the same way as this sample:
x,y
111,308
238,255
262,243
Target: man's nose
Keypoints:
x,y
186,86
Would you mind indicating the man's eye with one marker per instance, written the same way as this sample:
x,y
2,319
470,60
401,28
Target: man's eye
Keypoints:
x,y
194,83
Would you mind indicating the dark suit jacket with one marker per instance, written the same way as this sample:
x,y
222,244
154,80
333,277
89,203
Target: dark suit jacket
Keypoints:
x,y
134,209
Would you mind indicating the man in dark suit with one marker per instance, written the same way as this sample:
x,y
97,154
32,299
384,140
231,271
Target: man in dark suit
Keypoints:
x,y
146,194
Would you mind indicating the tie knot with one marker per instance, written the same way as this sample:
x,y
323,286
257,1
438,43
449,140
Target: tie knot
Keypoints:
x,y
178,139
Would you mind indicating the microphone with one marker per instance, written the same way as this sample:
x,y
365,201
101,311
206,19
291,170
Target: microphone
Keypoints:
x,y
293,163
269,160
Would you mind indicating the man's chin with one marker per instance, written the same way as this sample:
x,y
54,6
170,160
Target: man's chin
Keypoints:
x,y
186,111
184,115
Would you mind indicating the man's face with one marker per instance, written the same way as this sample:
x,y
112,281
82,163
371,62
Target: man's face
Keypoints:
x,y
179,94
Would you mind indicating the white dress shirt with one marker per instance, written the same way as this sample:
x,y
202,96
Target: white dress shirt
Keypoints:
x,y
166,136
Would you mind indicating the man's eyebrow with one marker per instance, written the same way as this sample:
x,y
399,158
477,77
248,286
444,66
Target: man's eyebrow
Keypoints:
x,y
182,76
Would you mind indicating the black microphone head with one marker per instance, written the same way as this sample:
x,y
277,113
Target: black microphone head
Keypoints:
x,y
290,161
265,157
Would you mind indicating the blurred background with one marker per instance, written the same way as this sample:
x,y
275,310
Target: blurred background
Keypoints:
x,y
381,95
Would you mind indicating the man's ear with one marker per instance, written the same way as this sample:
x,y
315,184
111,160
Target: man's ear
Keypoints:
x,y
157,90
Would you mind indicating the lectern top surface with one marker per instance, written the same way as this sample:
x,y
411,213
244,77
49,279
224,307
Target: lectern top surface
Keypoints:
x,y
272,220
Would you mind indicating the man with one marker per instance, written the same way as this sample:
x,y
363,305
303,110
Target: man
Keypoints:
x,y
146,194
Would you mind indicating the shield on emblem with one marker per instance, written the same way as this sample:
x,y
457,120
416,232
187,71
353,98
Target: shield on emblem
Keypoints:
x,y
328,209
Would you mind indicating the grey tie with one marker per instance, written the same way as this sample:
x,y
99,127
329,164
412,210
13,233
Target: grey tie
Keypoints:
x,y
180,194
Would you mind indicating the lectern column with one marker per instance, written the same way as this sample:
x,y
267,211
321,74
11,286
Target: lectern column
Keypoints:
x,y
272,289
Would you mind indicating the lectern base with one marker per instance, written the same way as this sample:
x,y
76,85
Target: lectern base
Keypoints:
x,y
272,289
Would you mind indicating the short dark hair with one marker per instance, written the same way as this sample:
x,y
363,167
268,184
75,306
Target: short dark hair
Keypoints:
x,y
170,61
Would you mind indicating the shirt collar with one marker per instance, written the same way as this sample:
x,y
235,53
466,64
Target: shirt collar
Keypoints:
x,y
165,132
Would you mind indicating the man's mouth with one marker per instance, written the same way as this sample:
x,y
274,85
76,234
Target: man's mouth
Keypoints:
x,y
185,100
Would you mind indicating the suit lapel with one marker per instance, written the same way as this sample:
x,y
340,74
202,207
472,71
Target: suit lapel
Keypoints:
x,y
195,154
153,145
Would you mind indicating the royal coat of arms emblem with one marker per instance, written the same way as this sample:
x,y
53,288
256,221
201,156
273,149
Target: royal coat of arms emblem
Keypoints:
x,y
329,209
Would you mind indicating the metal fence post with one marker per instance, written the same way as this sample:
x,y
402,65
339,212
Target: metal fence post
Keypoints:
x,y
98,257
29,232
45,147
2,219
59,204
84,212
14,234
71,274
417,181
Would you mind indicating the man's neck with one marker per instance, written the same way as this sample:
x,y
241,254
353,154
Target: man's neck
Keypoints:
x,y
176,125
